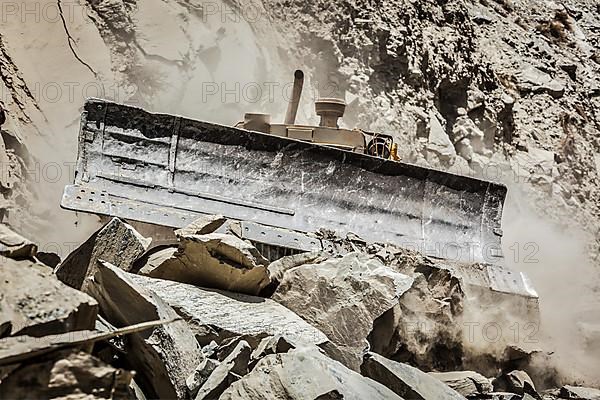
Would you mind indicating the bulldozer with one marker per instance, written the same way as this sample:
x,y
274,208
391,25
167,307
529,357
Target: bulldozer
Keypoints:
x,y
289,188
282,181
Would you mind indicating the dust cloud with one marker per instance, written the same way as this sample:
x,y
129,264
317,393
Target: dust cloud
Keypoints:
x,y
556,259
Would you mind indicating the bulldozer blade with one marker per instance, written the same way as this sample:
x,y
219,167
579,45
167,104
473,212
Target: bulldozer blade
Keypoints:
x,y
169,170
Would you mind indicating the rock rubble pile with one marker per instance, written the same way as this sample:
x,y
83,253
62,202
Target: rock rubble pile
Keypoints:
x,y
209,317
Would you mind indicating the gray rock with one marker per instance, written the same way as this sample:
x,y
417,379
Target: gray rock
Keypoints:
x,y
271,345
231,369
516,382
439,142
66,375
163,357
136,391
14,245
503,396
229,344
579,393
534,80
155,258
277,268
117,243
406,381
200,375
202,226
33,302
304,374
343,297
22,348
467,383
232,314
214,260
210,349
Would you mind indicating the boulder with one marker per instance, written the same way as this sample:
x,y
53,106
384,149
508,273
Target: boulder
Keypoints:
x,y
467,383
202,226
67,374
406,381
215,260
278,268
14,245
117,243
33,302
516,382
164,356
579,393
439,143
231,314
234,366
304,374
343,297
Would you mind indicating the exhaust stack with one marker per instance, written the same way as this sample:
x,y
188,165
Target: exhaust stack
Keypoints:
x,y
290,115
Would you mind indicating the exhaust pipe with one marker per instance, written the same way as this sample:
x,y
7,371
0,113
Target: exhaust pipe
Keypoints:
x,y
290,115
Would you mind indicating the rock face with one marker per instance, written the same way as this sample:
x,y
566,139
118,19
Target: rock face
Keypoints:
x,y
304,374
33,302
214,260
230,314
67,375
117,243
326,295
164,356
406,381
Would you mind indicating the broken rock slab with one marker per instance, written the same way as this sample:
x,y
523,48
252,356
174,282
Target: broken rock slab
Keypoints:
x,y
271,345
67,374
17,349
202,226
531,79
343,297
277,268
164,356
215,260
200,375
232,314
15,246
467,383
117,243
406,381
516,381
227,345
230,370
439,143
305,374
33,302
579,393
